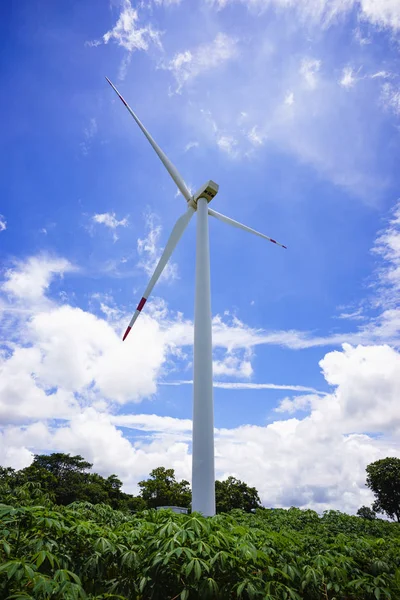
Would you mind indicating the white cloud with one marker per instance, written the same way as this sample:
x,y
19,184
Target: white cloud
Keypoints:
x,y
367,381
128,34
231,333
228,144
387,246
73,367
255,136
84,354
150,253
234,364
91,129
382,13
110,220
167,2
289,98
308,70
360,38
191,145
390,98
146,422
354,315
89,132
60,357
23,397
189,64
381,75
348,80
292,405
3,223
247,385
317,461
131,34
29,280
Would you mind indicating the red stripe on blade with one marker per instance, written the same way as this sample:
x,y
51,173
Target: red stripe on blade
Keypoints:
x,y
123,101
273,241
284,247
126,333
141,304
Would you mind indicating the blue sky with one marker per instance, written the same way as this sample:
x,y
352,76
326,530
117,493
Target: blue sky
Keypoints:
x,y
294,109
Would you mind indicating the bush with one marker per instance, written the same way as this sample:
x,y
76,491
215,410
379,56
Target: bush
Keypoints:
x,y
93,551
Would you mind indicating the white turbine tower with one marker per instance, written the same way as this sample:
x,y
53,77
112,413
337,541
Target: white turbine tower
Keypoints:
x,y
203,477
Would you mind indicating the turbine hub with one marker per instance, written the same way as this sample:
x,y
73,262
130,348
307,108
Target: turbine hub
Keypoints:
x,y
208,191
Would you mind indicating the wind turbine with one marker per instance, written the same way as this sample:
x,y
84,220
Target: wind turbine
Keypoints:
x,y
203,476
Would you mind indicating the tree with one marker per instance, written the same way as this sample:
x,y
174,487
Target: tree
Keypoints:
x,y
162,489
64,479
233,493
365,512
63,475
383,478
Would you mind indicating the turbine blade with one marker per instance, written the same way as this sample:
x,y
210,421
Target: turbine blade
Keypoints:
x,y
230,221
174,238
164,159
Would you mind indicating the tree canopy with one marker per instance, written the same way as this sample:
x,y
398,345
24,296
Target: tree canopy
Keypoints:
x,y
162,489
66,479
233,493
383,478
365,512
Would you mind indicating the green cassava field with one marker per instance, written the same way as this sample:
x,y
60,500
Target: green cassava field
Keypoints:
x,y
93,551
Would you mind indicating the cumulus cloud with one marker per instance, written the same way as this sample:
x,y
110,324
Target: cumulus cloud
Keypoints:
x,y
58,357
61,388
363,377
317,460
234,364
3,223
29,280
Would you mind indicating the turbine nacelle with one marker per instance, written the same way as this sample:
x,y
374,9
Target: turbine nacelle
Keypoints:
x,y
208,191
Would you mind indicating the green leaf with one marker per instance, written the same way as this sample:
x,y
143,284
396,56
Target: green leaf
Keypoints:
x,y
41,557
184,594
189,568
142,584
240,588
197,570
29,571
6,548
377,593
